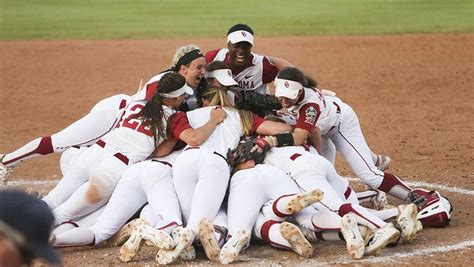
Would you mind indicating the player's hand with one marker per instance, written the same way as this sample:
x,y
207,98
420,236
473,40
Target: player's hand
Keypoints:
x,y
264,143
218,115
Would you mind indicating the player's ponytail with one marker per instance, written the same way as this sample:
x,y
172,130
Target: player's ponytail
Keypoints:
x,y
311,83
152,114
152,117
217,97
246,121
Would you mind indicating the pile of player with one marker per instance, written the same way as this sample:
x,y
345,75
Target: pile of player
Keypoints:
x,y
206,153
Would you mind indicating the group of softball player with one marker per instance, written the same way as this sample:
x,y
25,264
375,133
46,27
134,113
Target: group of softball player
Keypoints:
x,y
163,154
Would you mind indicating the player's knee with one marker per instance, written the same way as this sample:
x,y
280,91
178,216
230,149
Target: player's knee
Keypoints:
x,y
93,194
99,189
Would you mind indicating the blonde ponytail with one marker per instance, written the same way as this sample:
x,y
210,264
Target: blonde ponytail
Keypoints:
x,y
218,97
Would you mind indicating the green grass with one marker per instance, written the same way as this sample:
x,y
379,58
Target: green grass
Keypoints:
x,y
111,19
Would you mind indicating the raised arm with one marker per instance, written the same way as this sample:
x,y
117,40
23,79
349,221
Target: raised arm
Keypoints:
x,y
279,63
195,137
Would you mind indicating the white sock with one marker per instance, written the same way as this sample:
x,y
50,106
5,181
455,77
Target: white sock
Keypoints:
x,y
79,236
270,233
331,236
66,226
279,206
385,214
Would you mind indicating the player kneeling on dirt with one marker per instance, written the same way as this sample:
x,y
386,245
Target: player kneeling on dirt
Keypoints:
x,y
258,184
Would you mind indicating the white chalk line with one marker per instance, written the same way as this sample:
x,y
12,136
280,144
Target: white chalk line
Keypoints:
x,y
423,252
379,259
393,257
21,182
452,189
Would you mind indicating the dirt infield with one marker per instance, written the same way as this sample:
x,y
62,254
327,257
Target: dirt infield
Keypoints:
x,y
413,95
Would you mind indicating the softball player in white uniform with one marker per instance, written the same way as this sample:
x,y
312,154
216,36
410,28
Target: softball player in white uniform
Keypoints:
x,y
144,181
310,171
190,63
332,118
201,173
250,188
187,61
89,183
82,133
251,71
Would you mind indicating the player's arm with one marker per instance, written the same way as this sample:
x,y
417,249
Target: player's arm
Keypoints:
x,y
195,137
272,127
315,139
257,103
279,63
299,136
165,148
305,124
271,67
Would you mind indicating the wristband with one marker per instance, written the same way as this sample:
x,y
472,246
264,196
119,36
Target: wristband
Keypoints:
x,y
285,139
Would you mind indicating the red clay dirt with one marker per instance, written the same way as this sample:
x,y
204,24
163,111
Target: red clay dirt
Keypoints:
x,y
413,95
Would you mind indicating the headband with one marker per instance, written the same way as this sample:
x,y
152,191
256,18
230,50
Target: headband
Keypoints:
x,y
240,36
224,76
183,90
287,88
187,58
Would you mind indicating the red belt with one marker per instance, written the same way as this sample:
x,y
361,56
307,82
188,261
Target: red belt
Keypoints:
x,y
118,155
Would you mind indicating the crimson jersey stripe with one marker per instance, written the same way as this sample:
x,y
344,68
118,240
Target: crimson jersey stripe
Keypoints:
x,y
151,90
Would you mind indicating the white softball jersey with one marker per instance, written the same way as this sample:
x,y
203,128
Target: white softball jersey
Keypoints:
x,y
313,110
151,87
255,76
225,136
131,137
283,158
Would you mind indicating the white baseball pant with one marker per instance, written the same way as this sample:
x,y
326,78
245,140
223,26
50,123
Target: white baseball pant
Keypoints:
x,y
350,142
145,181
83,132
200,178
250,189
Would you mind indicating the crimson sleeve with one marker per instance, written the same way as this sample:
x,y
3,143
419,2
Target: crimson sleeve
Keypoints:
x,y
308,116
256,122
151,90
210,55
270,71
178,123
